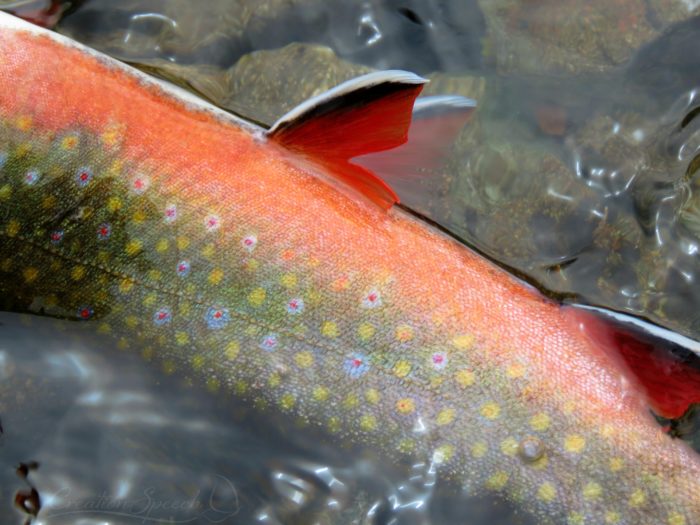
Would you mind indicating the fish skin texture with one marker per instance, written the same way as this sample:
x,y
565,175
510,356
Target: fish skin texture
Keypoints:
x,y
188,239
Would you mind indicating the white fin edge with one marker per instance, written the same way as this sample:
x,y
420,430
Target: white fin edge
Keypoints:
x,y
645,326
442,102
187,99
364,81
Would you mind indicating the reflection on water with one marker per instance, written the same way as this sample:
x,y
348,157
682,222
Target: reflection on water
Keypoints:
x,y
110,440
580,171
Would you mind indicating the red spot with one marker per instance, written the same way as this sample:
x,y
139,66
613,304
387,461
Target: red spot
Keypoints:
x,y
85,313
217,314
84,176
372,297
138,184
438,359
356,362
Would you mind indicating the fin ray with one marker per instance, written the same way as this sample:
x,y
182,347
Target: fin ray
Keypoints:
x,y
365,115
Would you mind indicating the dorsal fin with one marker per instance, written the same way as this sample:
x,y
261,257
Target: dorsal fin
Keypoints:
x,y
436,123
364,115
664,364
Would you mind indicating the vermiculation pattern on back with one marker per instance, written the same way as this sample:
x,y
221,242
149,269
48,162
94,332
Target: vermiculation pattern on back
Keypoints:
x,y
209,253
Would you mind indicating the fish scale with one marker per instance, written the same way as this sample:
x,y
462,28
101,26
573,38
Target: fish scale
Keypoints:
x,y
399,338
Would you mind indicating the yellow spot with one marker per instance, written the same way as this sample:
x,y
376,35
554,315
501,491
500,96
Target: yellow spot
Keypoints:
x,y
406,446
403,333
49,202
69,142
197,362
215,276
182,243
77,273
288,280
232,350
491,411
546,492
372,396
405,405
612,517
132,321
592,490
320,393
497,481
402,368
539,422
574,443
115,168
676,519
24,149
509,446
314,297
5,192
110,137
252,265
114,204
257,297
287,401
126,285
150,299
208,251
154,275
479,449
465,377
241,387
133,247
139,216
148,353
333,425
168,367
213,384
368,422
445,417
274,380
30,274
569,407
162,245
637,499
616,464
515,371
365,331
329,329
351,401
443,453
182,338
576,518
12,228
185,308
340,284
607,430
463,342
24,122
104,328
304,359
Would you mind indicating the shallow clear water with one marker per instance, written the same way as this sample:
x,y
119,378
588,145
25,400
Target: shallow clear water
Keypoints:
x,y
579,172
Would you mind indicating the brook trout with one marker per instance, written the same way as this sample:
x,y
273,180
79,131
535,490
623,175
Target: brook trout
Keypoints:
x,y
266,265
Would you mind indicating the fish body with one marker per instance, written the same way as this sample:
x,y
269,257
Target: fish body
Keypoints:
x,y
200,242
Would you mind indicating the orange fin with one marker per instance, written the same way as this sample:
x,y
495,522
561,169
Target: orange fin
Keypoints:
x,y
665,364
436,124
368,114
